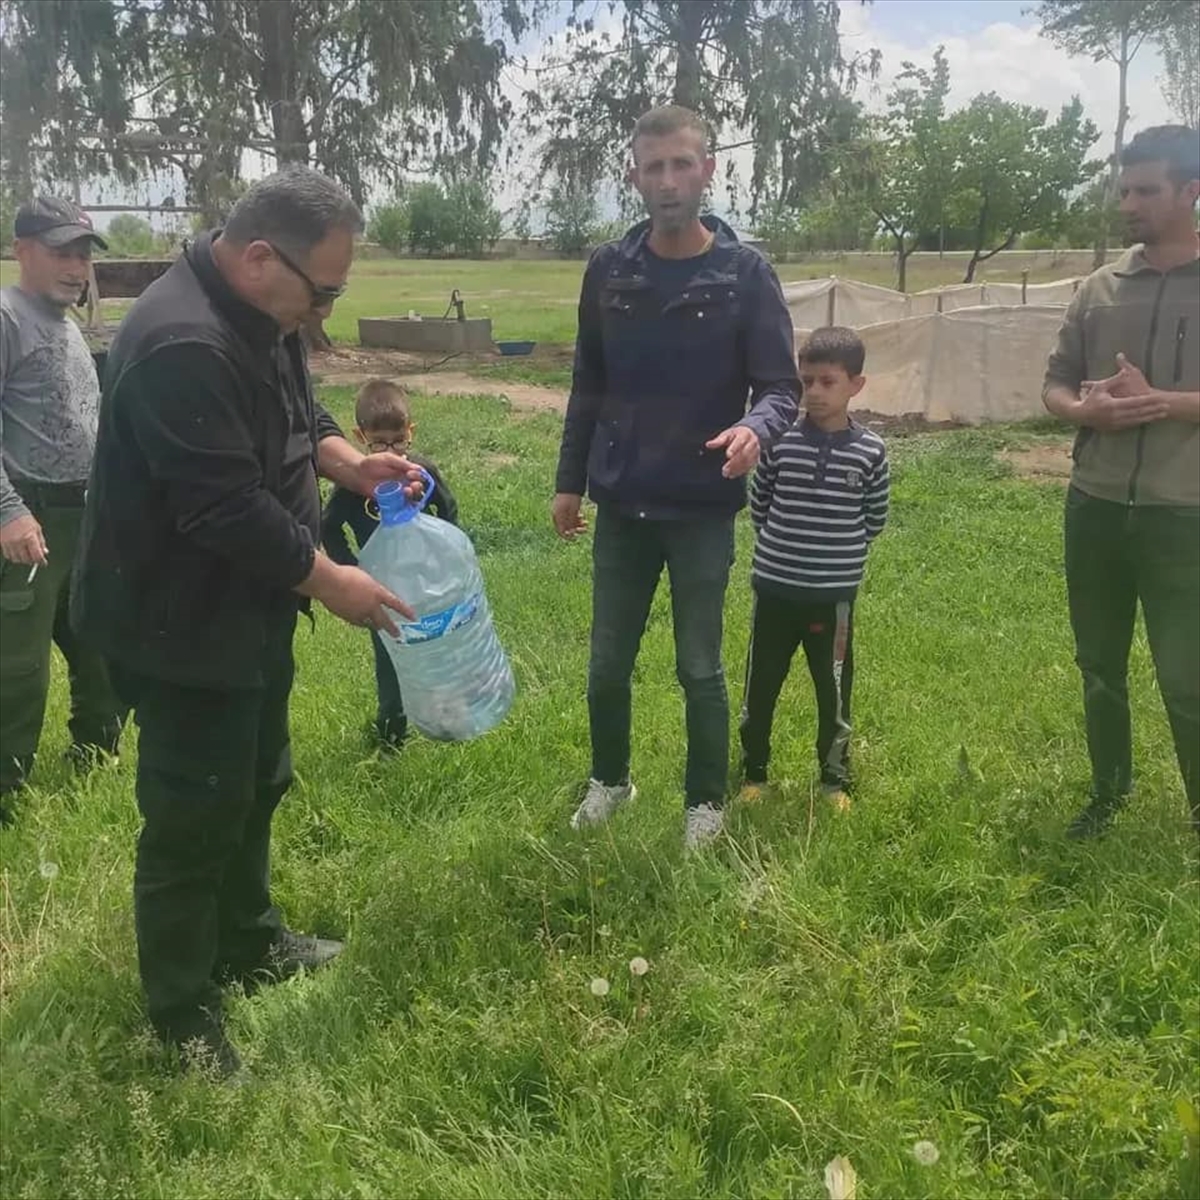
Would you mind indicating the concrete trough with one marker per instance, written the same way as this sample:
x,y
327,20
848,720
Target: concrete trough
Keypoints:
x,y
427,335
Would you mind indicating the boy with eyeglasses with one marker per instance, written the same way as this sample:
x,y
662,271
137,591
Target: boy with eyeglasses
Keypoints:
x,y
383,423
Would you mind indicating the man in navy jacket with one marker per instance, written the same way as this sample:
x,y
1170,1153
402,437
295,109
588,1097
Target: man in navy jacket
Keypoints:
x,y
684,371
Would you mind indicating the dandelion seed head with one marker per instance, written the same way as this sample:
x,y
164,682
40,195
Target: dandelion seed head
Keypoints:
x,y
926,1153
48,870
638,966
600,987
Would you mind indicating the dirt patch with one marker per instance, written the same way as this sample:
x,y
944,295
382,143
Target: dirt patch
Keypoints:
x,y
1043,462
346,367
902,425
350,367
520,395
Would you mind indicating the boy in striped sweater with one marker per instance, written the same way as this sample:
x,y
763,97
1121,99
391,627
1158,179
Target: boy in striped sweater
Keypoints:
x,y
820,497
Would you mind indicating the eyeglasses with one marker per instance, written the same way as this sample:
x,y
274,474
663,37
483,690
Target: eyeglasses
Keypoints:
x,y
396,446
321,294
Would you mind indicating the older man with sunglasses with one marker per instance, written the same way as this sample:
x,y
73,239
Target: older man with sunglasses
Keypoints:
x,y
199,549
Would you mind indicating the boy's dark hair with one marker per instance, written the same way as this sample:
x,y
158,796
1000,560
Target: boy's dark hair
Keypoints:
x,y
1176,145
835,344
670,118
382,404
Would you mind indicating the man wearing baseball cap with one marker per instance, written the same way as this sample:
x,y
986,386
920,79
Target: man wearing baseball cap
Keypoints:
x,y
49,402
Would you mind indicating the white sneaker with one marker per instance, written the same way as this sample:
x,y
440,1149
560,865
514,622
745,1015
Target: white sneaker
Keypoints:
x,y
702,825
600,802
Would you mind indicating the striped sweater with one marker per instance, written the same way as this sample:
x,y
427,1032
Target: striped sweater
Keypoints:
x,y
817,502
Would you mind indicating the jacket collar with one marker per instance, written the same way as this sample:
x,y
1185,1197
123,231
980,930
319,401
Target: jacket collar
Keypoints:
x,y
254,325
633,244
1134,262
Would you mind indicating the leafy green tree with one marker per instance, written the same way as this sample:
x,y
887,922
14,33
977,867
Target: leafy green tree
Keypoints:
x,y
900,169
130,236
571,216
428,227
1180,45
771,72
389,226
1013,170
472,222
1113,30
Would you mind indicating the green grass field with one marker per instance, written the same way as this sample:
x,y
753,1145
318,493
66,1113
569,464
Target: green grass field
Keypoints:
x,y
937,965
538,300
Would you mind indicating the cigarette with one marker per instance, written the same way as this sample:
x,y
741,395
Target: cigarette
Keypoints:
x,y
32,572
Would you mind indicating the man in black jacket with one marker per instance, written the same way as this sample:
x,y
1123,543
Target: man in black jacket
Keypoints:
x,y
684,370
198,550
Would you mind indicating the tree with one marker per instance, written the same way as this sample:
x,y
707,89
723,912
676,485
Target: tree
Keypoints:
x,y
1113,30
472,222
69,77
770,72
428,228
900,167
1180,45
1012,170
357,88
571,216
129,236
388,225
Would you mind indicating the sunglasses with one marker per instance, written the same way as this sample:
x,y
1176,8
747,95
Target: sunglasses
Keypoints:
x,y
396,446
320,293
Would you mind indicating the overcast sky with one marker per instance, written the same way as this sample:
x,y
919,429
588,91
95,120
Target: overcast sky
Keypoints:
x,y
991,45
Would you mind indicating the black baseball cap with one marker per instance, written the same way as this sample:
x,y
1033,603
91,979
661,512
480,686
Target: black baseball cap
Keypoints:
x,y
55,222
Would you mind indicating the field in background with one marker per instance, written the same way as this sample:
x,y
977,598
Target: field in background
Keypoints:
x,y
939,965
537,300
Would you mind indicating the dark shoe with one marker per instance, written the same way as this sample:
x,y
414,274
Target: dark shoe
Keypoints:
x,y
390,733
1095,819
289,954
200,1039
212,1055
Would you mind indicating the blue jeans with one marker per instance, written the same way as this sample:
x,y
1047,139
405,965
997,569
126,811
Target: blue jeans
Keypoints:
x,y
628,556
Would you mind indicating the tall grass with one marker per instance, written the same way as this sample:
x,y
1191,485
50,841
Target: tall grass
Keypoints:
x,y
936,965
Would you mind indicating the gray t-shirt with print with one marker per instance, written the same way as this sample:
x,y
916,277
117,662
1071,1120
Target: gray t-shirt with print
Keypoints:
x,y
49,398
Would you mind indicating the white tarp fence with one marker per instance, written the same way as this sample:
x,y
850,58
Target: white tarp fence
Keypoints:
x,y
971,353
834,301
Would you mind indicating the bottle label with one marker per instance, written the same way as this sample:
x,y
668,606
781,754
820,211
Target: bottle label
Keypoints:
x,y
438,624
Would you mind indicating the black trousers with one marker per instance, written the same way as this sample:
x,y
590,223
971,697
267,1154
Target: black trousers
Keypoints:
x,y
826,631
1117,556
212,768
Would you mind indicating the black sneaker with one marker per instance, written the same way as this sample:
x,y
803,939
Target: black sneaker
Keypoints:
x,y
294,952
1096,818
390,733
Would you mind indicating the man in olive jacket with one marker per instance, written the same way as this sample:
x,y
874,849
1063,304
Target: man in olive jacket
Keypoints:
x,y
1126,371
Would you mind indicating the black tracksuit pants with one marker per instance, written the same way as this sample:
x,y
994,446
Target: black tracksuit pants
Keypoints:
x,y
779,628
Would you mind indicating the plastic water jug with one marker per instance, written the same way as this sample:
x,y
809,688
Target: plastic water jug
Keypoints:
x,y
453,673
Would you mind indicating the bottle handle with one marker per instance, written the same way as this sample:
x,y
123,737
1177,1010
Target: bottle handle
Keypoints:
x,y
426,491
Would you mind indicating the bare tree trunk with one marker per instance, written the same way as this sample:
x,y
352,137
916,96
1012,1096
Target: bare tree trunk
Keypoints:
x,y
686,90
902,254
281,78
1100,247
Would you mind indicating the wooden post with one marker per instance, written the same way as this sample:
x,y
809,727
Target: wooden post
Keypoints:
x,y
832,310
1024,284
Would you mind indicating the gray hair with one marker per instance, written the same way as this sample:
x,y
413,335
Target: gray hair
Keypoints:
x,y
295,208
